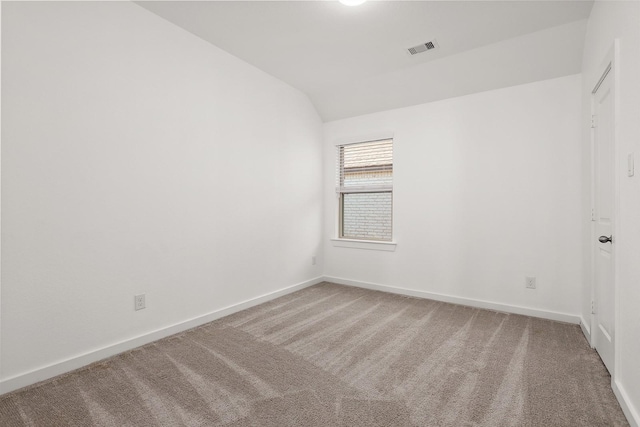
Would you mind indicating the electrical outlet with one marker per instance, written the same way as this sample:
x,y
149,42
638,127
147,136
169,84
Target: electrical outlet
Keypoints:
x,y
138,301
313,260
530,282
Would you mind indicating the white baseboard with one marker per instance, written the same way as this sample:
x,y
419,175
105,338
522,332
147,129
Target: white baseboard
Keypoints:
x,y
586,330
625,403
544,314
28,378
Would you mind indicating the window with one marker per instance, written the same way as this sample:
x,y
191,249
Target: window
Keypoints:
x,y
365,189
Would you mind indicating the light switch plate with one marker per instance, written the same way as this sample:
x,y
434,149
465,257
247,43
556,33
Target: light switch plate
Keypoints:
x,y
630,166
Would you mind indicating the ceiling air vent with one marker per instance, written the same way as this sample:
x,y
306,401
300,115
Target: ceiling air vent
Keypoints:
x,y
423,47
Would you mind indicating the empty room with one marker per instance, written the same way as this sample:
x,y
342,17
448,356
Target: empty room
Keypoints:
x,y
320,213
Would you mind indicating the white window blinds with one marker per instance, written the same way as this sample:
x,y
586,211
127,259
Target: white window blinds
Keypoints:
x,y
365,186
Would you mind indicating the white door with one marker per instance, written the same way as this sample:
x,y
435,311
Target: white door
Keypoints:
x,y
603,137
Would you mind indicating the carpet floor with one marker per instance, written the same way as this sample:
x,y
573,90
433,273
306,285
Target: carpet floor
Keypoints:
x,y
332,355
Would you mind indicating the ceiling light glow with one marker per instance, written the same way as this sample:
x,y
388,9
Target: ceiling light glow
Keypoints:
x,y
352,2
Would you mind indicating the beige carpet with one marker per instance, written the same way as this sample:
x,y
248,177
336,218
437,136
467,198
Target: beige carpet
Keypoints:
x,y
332,355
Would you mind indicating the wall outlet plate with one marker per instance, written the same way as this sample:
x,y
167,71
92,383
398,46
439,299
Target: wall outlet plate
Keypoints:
x,y
139,302
530,282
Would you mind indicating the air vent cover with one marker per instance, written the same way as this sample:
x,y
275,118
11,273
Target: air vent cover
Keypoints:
x,y
422,47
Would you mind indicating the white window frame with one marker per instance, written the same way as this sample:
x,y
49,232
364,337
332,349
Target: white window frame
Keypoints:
x,y
337,240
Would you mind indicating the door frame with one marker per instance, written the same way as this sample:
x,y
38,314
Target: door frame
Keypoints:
x,y
608,67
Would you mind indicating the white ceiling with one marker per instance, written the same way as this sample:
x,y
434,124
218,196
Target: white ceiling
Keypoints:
x,y
352,60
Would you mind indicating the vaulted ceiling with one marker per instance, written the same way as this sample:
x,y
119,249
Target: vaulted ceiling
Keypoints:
x,y
353,60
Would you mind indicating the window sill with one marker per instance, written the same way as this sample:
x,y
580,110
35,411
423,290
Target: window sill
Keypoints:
x,y
364,244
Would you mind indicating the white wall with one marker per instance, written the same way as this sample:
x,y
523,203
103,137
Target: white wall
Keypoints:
x,y
610,20
137,158
486,192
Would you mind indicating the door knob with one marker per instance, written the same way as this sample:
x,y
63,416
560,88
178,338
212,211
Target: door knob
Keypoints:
x,y
605,239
